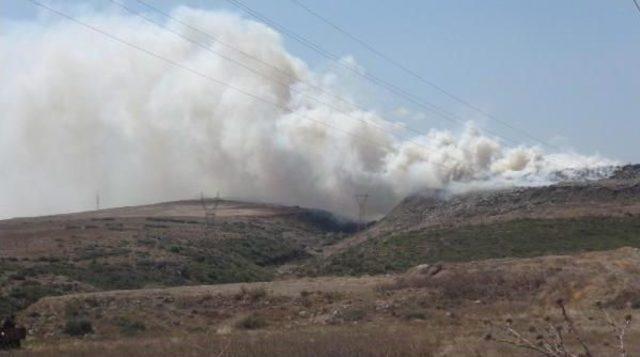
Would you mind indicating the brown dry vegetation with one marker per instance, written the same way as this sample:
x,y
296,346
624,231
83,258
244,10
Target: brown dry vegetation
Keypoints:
x,y
129,281
424,312
138,247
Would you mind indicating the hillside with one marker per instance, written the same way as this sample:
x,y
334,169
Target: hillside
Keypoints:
x,y
168,244
430,310
164,244
434,226
616,196
439,263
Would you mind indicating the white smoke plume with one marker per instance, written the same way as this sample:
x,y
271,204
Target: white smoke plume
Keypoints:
x,y
81,113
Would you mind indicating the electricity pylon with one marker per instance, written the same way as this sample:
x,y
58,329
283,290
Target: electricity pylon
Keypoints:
x,y
361,200
209,209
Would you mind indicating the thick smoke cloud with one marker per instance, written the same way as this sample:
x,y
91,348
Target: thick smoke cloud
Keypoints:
x,y
82,113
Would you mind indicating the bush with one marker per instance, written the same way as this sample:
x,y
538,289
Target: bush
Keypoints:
x,y
332,296
414,313
18,276
417,315
74,309
19,297
252,322
254,294
78,327
552,335
128,327
629,297
487,284
352,314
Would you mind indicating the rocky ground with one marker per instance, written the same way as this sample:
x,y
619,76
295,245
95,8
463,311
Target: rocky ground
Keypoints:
x,y
615,196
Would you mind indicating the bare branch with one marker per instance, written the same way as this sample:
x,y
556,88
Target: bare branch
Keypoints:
x,y
572,328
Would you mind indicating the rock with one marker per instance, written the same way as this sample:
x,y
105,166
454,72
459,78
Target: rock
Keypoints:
x,y
382,305
434,269
426,269
626,172
421,269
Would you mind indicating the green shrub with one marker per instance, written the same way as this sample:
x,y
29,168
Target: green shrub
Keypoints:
x,y
352,314
73,308
332,296
78,327
252,322
414,314
252,294
129,327
19,297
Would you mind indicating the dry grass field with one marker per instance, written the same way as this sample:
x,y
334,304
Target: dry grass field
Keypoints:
x,y
437,310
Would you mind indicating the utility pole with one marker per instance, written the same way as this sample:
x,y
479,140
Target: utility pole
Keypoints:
x,y
361,200
97,201
209,209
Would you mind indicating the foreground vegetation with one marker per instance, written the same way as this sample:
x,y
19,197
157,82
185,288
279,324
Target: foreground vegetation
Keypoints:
x,y
431,310
408,339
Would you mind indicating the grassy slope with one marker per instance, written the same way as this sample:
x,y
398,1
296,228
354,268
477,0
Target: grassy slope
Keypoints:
x,y
242,252
521,238
255,257
192,264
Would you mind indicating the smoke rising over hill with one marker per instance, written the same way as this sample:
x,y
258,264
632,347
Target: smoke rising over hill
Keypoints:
x,y
82,113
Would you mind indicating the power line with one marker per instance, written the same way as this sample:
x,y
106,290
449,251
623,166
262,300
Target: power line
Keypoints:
x,y
253,70
284,85
451,169
361,199
216,39
205,76
257,59
370,77
417,75
637,5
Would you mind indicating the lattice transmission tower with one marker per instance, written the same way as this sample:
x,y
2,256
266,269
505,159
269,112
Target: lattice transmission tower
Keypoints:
x,y
361,200
209,206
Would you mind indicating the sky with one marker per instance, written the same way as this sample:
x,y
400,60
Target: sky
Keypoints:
x,y
564,72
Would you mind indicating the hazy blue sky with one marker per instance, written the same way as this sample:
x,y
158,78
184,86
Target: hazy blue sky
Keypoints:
x,y
565,71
